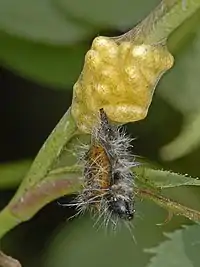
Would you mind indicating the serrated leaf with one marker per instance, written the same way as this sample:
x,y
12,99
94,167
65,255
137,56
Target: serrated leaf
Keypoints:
x,y
116,13
40,21
166,179
56,66
181,250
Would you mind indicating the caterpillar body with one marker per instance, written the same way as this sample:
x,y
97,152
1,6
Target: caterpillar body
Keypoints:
x,y
108,181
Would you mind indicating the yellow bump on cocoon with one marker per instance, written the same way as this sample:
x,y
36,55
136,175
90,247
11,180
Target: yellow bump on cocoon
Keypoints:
x,y
120,78
106,47
140,50
92,59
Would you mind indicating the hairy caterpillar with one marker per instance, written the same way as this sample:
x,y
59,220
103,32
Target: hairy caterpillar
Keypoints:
x,y
108,182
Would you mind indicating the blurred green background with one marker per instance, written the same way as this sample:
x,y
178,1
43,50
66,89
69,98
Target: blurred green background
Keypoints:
x,y
42,48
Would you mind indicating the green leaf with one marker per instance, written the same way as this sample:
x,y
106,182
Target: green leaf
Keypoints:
x,y
181,90
11,174
186,142
40,21
181,84
81,243
181,250
166,179
116,13
56,66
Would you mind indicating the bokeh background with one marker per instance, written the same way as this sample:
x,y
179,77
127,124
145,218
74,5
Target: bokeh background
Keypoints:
x,y
42,48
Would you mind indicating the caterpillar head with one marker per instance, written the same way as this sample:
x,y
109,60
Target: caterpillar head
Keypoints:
x,y
123,208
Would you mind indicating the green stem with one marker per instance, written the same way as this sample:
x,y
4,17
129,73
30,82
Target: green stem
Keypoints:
x,y
65,170
32,195
7,221
163,20
50,151
58,183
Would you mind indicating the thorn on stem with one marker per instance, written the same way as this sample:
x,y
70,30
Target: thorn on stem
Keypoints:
x,y
167,220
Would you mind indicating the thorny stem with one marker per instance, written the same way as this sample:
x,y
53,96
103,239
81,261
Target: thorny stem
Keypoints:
x,y
65,181
171,205
162,21
59,182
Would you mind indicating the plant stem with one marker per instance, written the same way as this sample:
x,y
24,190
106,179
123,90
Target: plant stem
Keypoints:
x,y
58,183
50,151
170,205
162,21
7,221
32,189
